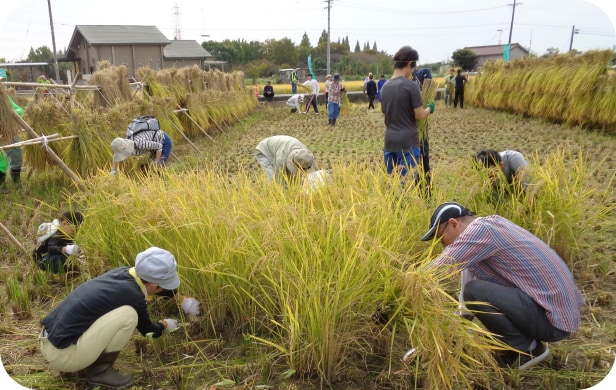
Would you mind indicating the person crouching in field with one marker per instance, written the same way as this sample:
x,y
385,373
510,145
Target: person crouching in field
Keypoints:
x,y
511,164
519,288
96,321
58,244
157,142
294,102
284,158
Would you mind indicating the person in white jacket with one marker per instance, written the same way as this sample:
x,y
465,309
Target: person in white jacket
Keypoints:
x,y
294,102
283,157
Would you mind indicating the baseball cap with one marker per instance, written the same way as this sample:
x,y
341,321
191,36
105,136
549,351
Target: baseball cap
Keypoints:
x,y
122,149
156,265
299,158
442,214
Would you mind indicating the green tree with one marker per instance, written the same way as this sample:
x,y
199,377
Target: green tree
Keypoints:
x,y
283,52
255,69
357,48
43,54
550,52
305,48
464,58
323,39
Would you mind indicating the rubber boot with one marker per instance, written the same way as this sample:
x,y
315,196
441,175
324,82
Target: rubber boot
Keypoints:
x,y
3,183
100,372
15,175
333,122
330,122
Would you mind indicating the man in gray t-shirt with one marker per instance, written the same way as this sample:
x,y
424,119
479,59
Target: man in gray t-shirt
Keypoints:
x,y
512,163
402,105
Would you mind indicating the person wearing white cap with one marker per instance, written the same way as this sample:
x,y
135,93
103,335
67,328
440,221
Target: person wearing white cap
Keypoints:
x,y
143,141
283,157
95,322
519,288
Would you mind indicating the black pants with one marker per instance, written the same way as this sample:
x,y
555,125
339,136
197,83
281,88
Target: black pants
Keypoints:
x,y
459,97
511,314
371,102
312,101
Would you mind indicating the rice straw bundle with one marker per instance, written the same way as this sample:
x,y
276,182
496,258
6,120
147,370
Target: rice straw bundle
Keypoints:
x,y
7,123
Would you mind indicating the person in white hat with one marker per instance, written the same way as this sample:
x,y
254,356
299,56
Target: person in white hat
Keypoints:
x,y
143,141
283,157
95,322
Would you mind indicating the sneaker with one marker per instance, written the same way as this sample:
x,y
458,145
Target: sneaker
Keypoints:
x,y
537,355
523,360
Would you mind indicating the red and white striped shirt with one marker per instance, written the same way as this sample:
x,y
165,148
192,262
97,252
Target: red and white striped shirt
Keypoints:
x,y
496,250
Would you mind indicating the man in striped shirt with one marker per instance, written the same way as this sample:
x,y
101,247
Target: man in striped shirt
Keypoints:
x,y
529,293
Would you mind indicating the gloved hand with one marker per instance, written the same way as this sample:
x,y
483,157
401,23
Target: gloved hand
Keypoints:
x,y
170,324
431,107
190,306
114,172
72,250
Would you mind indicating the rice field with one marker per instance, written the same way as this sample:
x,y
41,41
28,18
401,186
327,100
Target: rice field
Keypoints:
x,y
290,283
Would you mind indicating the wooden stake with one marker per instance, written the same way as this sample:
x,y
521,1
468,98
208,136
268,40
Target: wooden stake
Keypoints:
x,y
12,238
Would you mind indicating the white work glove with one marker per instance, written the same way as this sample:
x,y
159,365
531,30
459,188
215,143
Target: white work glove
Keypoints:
x,y
114,172
170,324
190,306
72,250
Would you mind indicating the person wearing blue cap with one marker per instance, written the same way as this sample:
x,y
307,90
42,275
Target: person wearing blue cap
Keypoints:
x,y
95,322
520,289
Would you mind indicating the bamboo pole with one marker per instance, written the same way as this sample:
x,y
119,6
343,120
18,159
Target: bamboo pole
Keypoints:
x,y
13,239
50,153
184,135
38,141
185,111
216,123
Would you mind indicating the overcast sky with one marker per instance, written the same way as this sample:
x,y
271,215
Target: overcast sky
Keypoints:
x,y
435,28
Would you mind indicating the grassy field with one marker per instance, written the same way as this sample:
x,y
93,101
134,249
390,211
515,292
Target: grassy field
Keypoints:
x,y
273,267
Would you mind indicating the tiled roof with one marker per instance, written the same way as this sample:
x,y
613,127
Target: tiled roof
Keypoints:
x,y
121,35
185,49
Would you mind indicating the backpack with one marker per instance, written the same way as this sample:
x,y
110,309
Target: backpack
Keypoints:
x,y
142,123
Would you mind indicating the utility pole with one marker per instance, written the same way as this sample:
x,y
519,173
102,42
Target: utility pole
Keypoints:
x,y
53,43
512,16
329,7
573,32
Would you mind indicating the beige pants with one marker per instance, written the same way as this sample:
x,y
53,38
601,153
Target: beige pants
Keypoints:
x,y
110,333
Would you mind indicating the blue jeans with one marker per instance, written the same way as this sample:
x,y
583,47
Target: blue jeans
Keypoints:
x,y
404,159
167,145
333,110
